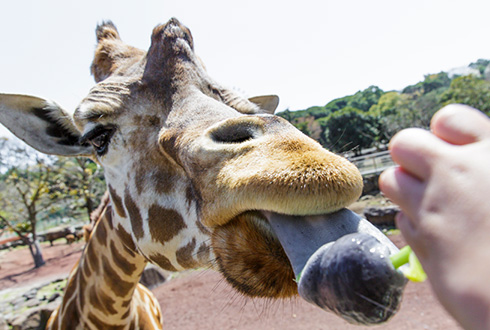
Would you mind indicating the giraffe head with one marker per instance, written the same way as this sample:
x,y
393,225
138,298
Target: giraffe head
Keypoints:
x,y
194,171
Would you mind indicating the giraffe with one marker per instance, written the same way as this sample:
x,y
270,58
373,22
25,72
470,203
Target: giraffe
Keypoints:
x,y
194,173
117,299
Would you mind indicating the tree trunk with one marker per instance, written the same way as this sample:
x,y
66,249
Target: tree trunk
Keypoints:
x,y
89,205
34,245
36,253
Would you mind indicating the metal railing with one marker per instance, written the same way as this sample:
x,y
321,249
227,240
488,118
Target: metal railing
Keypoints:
x,y
373,164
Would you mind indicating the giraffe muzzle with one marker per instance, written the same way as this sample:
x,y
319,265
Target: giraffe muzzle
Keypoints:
x,y
342,264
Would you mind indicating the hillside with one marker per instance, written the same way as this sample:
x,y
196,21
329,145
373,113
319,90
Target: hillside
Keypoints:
x,y
369,118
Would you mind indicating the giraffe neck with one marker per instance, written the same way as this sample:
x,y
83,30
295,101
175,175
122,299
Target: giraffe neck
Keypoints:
x,y
103,291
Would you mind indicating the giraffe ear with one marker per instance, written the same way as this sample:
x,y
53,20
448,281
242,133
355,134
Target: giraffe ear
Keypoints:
x,y
42,124
267,103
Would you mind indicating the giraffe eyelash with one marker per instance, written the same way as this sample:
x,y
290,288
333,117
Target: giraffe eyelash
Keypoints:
x,y
99,138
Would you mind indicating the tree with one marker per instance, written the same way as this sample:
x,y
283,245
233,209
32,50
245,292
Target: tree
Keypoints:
x,y
480,65
337,104
469,90
35,187
349,129
26,193
82,180
430,83
383,113
425,106
364,100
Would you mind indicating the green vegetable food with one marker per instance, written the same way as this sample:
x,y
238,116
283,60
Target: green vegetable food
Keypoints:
x,y
414,272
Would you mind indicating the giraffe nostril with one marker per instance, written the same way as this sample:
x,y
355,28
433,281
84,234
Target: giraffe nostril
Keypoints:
x,y
236,131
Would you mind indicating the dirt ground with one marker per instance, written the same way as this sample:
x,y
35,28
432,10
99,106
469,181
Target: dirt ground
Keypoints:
x,y
202,300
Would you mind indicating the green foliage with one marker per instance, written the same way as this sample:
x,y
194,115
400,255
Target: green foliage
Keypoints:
x,y
364,100
430,83
314,121
83,184
317,112
349,129
480,65
469,90
36,188
425,106
341,125
337,104
386,113
387,104
298,116
23,227
291,115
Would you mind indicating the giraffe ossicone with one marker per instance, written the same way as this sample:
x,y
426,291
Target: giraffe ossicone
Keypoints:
x,y
196,174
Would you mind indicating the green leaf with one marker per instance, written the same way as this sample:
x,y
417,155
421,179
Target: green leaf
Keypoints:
x,y
414,272
298,278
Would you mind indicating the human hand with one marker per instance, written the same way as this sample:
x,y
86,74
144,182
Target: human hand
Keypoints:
x,y
442,185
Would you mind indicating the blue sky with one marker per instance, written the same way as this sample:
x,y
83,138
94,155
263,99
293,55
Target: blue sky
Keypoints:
x,y
307,52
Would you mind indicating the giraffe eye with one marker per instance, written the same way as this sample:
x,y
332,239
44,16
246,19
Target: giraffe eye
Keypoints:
x,y
100,142
99,138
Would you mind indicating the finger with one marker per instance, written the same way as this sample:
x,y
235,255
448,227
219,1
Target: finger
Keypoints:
x,y
460,124
409,231
403,189
406,226
414,150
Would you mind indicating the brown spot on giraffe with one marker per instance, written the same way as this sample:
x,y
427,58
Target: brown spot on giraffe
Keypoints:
x,y
80,284
134,214
92,261
190,195
85,269
127,240
100,300
102,234
126,314
170,220
70,289
121,262
99,324
163,262
70,318
108,302
151,178
127,302
185,255
112,278
203,253
202,228
117,201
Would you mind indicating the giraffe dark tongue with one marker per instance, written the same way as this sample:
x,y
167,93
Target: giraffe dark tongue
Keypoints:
x,y
344,265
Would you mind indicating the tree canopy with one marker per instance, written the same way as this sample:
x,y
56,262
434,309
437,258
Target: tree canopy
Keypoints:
x,y
370,117
36,188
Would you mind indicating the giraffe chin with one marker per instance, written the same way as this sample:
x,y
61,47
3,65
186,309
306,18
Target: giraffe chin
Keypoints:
x,y
251,258
342,260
